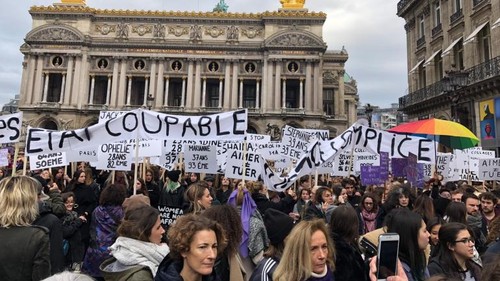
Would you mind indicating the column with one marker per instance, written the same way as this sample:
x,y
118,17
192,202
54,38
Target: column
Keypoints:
x,y
159,85
269,87
319,97
341,93
92,87
63,87
75,89
308,96
167,87
283,93
108,89
183,97
45,86
114,83
197,85
301,93
84,86
240,102
129,90
122,94
277,86
257,94
227,86
264,84
204,93
146,88
220,92
27,92
316,88
189,92
234,88
69,80
152,80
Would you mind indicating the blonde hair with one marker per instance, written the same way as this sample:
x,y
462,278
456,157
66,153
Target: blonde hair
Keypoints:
x,y
18,201
193,194
295,263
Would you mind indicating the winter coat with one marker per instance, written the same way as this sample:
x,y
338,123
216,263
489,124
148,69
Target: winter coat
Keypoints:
x,y
170,269
313,212
154,193
24,253
435,267
125,273
349,264
105,221
263,203
70,224
265,269
173,198
48,220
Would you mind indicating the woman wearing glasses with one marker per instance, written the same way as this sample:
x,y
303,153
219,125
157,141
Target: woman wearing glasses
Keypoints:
x,y
454,253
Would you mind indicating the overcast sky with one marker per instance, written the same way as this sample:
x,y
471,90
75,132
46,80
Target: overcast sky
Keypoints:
x,y
371,32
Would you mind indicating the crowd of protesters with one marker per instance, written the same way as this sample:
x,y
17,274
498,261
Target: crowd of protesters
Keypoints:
x,y
102,225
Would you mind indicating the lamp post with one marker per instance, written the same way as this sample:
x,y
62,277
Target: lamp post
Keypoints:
x,y
368,113
150,101
452,82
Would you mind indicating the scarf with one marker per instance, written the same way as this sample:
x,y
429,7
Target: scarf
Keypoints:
x,y
247,208
369,220
171,186
132,252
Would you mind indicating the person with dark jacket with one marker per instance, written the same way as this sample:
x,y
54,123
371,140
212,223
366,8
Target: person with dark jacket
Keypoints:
x,y
172,193
24,253
153,188
188,260
259,195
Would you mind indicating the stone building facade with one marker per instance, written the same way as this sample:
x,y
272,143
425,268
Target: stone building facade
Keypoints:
x,y
453,57
80,60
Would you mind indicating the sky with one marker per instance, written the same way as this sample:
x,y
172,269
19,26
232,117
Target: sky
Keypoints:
x,y
370,31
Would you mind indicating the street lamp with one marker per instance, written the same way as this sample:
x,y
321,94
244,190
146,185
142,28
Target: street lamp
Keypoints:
x,y
150,101
368,113
452,82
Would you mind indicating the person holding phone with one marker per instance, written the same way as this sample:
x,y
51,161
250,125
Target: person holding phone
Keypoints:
x,y
454,253
323,203
413,242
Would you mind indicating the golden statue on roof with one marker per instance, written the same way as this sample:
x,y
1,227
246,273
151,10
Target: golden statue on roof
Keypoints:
x,y
78,2
293,4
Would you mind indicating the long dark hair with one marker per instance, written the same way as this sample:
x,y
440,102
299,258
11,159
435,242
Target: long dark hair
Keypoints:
x,y
344,223
456,212
407,224
447,237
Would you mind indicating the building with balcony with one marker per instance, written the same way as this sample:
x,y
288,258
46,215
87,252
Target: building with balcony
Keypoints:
x,y
79,61
454,63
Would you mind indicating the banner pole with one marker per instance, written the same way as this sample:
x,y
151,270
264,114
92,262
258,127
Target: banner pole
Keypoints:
x,y
14,161
136,162
244,158
25,163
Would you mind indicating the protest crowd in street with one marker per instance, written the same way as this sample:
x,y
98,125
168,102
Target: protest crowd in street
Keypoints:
x,y
173,225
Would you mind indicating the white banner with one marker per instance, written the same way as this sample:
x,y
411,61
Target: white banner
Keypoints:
x,y
444,167
258,138
489,169
10,127
140,123
294,142
322,135
271,151
88,155
40,161
200,158
115,156
248,169
108,115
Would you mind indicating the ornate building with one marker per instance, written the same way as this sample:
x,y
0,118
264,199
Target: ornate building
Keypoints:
x,y
454,63
79,60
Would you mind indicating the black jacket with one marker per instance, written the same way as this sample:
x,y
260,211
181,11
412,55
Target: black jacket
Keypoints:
x,y
263,203
435,267
169,270
349,264
48,220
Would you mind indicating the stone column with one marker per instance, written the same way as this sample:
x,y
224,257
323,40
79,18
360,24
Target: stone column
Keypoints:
x,y
146,92
277,85
152,82
159,85
45,86
341,93
183,97
123,88
264,83
234,98
227,86
220,92
63,86
301,93
129,89
69,80
204,93
108,89
257,94
77,81
27,91
114,83
308,97
283,93
240,102
189,93
92,87
167,87
316,88
84,86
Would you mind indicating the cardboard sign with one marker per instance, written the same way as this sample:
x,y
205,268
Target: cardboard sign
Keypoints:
x,y
294,142
343,165
168,215
41,161
258,138
489,169
200,159
115,156
10,127
247,168
321,135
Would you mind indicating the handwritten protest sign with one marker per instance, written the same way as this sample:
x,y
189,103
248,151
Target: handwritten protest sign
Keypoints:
x,y
115,156
243,165
200,158
10,127
294,142
40,161
258,138
489,169
168,215
321,135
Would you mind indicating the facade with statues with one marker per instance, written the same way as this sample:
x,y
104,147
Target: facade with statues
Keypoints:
x,y
79,61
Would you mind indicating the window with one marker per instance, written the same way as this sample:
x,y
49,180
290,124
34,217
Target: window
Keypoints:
x,y
250,67
437,13
174,92
137,91
421,26
54,89
176,65
438,67
102,64
484,37
292,93
422,81
458,55
457,6
328,102
249,94
139,64
212,99
100,90
213,66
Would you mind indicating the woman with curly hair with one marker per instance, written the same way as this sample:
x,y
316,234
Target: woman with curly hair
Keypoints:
x,y
138,250
228,265
194,244
308,255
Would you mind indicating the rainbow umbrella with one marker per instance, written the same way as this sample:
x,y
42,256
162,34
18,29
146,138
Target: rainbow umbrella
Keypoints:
x,y
448,133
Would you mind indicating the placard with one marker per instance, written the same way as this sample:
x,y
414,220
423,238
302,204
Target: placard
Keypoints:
x,y
294,142
41,161
10,127
248,169
115,156
200,159
168,215
489,169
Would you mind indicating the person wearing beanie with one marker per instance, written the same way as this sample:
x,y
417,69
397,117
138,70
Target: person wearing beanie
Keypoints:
x,y
278,226
172,193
